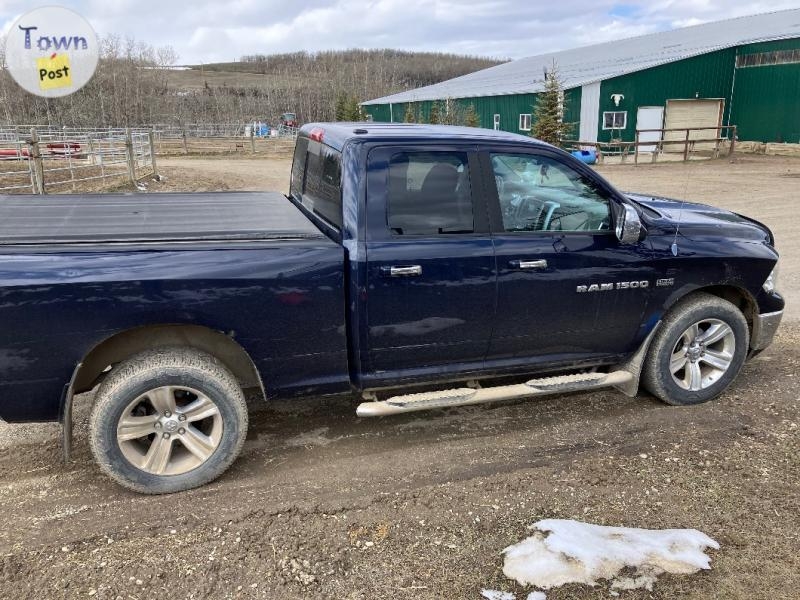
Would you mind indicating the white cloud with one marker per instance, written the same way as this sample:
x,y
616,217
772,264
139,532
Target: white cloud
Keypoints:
x,y
210,30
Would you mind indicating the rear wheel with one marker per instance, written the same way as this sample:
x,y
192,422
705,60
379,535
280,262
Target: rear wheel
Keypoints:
x,y
168,420
697,352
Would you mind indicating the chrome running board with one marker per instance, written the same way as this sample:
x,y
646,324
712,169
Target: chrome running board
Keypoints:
x,y
464,396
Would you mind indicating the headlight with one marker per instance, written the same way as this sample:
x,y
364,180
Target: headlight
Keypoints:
x,y
772,281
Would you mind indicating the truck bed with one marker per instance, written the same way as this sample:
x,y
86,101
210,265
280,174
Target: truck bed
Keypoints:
x,y
162,217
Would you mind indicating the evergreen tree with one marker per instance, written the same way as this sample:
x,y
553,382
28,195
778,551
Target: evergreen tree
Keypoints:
x,y
435,117
340,108
410,115
352,110
471,117
548,112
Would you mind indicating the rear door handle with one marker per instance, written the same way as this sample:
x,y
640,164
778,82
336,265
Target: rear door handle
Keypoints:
x,y
528,264
409,271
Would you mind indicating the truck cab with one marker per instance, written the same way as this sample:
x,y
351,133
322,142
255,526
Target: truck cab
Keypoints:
x,y
475,253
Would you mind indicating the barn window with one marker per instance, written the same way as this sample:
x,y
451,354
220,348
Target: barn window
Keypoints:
x,y
763,59
525,122
615,119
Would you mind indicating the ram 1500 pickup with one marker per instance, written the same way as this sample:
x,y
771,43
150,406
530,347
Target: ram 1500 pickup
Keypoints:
x,y
417,266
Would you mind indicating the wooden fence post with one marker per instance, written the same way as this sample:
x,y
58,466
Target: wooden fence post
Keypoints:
x,y
686,147
252,140
636,149
152,138
129,156
733,142
35,155
185,146
68,148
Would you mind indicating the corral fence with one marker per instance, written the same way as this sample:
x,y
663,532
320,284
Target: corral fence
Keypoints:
x,y
42,160
222,138
674,143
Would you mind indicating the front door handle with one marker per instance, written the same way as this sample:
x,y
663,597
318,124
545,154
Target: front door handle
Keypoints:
x,y
409,271
528,264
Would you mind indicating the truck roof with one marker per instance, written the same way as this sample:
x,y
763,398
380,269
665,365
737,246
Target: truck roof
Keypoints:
x,y
336,135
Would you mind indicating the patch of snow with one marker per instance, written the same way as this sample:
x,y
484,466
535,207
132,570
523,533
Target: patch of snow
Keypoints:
x,y
497,595
564,551
537,596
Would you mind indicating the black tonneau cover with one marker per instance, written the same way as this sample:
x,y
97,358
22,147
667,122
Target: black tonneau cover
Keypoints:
x,y
64,219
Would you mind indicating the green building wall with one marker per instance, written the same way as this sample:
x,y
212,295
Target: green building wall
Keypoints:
x,y
509,107
766,99
706,76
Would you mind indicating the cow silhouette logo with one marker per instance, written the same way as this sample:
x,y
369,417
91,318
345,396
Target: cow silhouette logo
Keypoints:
x,y
51,51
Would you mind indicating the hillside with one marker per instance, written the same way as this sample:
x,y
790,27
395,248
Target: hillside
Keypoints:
x,y
136,84
263,86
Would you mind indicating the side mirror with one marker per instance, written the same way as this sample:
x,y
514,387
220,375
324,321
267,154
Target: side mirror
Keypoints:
x,y
629,225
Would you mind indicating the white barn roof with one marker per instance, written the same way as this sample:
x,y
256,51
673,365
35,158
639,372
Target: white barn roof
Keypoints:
x,y
588,64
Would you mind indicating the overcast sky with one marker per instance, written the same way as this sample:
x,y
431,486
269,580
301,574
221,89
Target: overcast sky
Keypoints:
x,y
224,30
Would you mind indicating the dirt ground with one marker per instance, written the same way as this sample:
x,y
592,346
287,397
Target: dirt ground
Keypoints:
x,y
325,505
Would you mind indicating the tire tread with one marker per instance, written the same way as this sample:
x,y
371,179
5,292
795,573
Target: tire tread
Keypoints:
x,y
152,364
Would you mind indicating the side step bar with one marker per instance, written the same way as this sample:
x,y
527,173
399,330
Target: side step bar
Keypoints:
x,y
464,396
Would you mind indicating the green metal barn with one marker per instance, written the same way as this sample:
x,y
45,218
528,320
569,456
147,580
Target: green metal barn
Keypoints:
x,y
743,71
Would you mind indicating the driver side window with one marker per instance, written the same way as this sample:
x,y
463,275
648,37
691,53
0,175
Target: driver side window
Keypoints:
x,y
538,193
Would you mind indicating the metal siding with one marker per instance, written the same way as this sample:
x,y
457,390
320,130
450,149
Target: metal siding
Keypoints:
x,y
508,107
590,112
766,100
706,76
573,107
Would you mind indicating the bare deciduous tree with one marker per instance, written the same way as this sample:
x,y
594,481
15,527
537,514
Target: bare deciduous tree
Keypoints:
x,y
137,84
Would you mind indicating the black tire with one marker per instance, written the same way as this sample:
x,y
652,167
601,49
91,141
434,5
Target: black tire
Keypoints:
x,y
657,376
173,369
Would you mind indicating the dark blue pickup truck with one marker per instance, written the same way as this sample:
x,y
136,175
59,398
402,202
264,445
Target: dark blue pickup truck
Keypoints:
x,y
418,266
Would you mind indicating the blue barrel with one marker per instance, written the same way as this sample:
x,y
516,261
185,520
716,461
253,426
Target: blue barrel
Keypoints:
x,y
587,156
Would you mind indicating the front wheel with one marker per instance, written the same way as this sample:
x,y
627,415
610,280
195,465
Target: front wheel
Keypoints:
x,y
697,352
168,420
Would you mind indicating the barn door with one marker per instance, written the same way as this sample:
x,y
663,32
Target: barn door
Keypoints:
x,y
649,117
702,112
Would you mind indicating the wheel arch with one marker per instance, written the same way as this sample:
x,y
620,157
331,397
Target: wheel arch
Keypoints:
x,y
739,297
127,343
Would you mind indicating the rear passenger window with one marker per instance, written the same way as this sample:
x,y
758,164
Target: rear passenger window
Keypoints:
x,y
316,179
429,194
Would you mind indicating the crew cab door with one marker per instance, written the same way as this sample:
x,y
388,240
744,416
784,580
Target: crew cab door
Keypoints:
x,y
430,261
556,256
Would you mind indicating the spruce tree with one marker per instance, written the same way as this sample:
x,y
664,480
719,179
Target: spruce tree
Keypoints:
x,y
548,112
340,108
410,116
471,117
435,117
352,109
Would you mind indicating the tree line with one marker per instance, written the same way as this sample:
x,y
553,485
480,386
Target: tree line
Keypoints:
x,y
138,84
